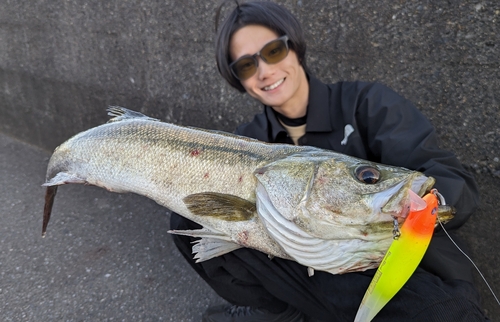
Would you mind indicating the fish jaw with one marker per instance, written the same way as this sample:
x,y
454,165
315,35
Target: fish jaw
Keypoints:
x,y
399,200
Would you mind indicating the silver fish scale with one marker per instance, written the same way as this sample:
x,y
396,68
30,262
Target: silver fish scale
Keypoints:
x,y
154,158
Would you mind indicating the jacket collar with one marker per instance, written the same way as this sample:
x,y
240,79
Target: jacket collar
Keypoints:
x,y
318,110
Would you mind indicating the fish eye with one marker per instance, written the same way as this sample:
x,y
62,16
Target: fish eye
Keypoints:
x,y
367,174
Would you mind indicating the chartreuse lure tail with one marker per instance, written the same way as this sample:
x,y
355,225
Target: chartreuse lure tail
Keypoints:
x,y
401,259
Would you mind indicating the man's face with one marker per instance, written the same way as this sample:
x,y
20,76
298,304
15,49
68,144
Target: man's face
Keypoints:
x,y
283,85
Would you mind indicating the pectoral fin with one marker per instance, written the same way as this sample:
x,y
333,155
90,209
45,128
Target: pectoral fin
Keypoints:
x,y
220,206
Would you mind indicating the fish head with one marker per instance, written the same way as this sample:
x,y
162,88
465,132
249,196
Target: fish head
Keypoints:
x,y
327,194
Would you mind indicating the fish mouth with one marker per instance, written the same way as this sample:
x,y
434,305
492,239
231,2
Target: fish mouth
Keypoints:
x,y
405,196
422,185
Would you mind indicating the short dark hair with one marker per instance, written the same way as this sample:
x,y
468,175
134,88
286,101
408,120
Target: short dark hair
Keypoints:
x,y
267,14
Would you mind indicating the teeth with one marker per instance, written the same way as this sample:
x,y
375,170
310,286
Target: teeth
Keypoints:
x,y
273,86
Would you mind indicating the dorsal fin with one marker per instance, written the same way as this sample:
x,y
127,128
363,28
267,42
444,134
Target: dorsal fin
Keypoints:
x,y
121,113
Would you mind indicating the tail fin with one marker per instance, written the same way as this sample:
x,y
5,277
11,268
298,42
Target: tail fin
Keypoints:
x,y
50,195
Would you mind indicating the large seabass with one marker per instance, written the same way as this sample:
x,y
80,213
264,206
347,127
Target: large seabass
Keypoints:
x,y
325,210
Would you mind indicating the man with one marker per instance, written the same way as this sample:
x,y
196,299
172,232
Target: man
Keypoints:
x,y
260,50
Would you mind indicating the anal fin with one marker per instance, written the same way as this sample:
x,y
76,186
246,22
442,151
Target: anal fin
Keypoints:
x,y
211,244
207,248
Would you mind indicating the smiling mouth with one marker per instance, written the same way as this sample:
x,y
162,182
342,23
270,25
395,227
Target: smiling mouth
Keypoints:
x,y
273,86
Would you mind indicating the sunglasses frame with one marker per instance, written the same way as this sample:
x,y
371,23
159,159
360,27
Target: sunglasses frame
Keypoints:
x,y
283,39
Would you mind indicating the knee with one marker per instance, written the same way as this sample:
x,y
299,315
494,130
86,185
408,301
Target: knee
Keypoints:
x,y
177,222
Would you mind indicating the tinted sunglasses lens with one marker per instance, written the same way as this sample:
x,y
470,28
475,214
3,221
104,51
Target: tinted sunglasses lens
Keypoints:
x,y
244,67
274,52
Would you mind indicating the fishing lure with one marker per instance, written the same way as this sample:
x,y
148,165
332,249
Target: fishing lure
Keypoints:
x,y
402,258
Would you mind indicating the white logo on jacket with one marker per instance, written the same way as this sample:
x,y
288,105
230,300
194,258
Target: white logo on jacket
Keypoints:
x,y
347,131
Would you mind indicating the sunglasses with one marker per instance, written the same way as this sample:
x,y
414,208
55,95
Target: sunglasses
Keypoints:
x,y
272,53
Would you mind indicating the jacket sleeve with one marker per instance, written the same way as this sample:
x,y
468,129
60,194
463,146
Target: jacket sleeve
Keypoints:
x,y
397,133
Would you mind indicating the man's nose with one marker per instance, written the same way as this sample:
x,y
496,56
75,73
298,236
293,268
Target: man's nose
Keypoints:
x,y
264,69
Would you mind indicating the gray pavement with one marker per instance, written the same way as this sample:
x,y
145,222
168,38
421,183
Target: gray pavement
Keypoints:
x,y
106,256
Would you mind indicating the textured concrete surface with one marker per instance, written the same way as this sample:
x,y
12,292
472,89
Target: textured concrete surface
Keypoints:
x,y
106,256
62,63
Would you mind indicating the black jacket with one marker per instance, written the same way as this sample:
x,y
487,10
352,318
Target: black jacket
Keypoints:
x,y
387,129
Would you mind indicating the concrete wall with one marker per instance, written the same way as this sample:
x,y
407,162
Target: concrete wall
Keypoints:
x,y
63,62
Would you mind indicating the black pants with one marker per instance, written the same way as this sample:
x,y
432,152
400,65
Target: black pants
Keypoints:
x,y
249,278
